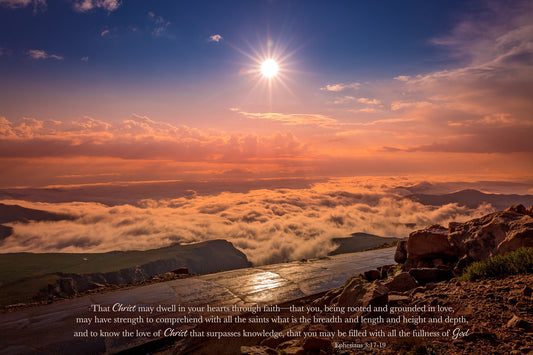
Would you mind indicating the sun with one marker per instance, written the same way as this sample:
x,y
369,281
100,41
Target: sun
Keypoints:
x,y
269,68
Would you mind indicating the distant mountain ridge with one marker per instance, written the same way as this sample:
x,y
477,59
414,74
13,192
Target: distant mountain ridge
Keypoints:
x,y
16,213
473,198
359,242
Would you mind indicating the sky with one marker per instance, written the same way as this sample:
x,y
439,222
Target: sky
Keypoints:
x,y
111,91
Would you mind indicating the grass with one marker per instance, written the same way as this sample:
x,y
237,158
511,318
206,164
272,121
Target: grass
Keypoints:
x,y
519,261
16,266
22,275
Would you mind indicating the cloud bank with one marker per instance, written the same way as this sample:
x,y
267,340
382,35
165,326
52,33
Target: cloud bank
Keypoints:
x,y
267,225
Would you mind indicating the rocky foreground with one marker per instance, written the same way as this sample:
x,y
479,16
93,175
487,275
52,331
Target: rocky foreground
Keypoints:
x,y
491,316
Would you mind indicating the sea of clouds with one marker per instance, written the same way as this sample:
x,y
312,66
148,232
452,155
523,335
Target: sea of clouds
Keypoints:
x,y
268,225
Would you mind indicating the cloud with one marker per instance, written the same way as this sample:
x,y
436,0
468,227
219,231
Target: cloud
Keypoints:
x,y
292,119
340,87
365,100
160,25
402,77
85,59
138,138
38,5
268,225
215,38
88,5
343,100
40,54
104,32
483,104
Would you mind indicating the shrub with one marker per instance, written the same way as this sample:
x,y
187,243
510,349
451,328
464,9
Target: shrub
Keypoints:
x,y
519,261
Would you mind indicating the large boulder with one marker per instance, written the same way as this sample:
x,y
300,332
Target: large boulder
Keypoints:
x,y
495,233
401,252
460,244
360,293
402,282
430,242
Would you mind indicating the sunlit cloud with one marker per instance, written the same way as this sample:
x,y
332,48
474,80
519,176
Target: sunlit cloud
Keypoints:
x,y
40,54
303,221
85,59
104,32
340,87
365,100
38,5
292,118
402,77
215,38
137,138
87,5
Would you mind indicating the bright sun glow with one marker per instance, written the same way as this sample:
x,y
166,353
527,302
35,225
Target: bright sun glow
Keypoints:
x,y
269,68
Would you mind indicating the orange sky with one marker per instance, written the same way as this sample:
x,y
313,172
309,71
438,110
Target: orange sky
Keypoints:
x,y
472,114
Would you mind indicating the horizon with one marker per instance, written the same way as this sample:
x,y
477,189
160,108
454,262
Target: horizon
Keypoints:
x,y
265,123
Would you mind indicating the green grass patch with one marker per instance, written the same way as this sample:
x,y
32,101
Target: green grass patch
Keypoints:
x,y
519,261
16,266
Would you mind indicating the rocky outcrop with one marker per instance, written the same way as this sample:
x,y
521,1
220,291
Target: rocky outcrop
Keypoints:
x,y
5,231
360,293
460,244
401,282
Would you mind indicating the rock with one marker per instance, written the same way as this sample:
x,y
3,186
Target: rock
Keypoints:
x,y
517,322
360,293
402,282
385,270
396,300
425,275
181,271
401,252
273,342
314,343
258,350
494,233
461,244
372,275
431,242
520,235
462,264
527,291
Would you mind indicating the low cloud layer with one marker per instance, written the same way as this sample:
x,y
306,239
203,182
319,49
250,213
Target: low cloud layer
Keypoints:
x,y
267,225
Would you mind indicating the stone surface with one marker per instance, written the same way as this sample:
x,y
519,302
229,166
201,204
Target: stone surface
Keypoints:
x,y
372,275
402,282
316,343
257,350
425,275
461,244
360,293
401,252
517,322
429,242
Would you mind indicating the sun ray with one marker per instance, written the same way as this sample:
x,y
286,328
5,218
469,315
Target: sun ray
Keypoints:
x,y
270,66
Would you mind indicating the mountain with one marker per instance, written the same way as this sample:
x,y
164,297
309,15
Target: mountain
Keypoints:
x,y
15,213
23,275
473,198
359,242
